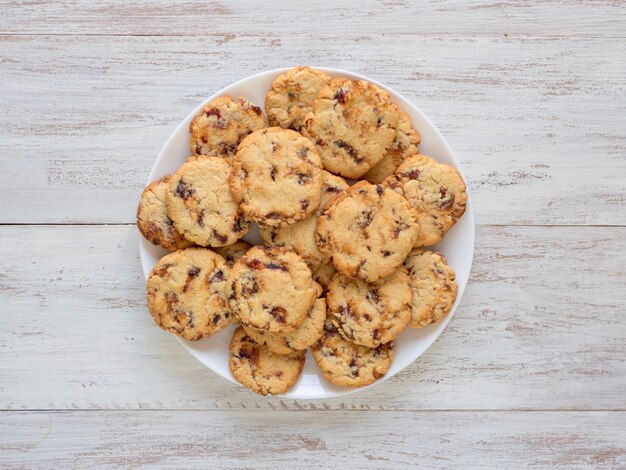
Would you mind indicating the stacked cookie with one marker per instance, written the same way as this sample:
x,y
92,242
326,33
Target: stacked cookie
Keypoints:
x,y
342,270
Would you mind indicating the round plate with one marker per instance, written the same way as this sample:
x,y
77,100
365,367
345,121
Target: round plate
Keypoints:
x,y
458,246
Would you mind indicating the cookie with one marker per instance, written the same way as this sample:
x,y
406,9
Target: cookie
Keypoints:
x,y
152,219
290,97
433,285
353,124
323,274
368,230
277,177
298,340
301,235
231,253
271,289
351,365
370,314
186,293
405,145
262,371
222,125
200,203
435,190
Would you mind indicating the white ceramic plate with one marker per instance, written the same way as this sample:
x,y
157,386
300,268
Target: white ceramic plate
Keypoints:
x,y
458,246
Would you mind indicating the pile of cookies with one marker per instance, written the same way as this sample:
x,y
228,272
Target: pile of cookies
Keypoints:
x,y
342,269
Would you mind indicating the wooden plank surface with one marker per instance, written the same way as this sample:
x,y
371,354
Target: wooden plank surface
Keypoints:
x,y
538,124
541,327
229,19
280,439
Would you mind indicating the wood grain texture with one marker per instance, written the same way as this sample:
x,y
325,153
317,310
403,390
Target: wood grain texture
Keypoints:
x,y
541,327
538,124
229,19
257,439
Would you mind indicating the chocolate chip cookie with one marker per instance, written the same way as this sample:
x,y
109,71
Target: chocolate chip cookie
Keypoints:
x,y
277,177
405,145
368,230
223,123
435,190
200,203
301,235
433,285
348,364
291,96
323,274
231,253
370,314
262,371
353,124
152,219
186,293
271,289
298,340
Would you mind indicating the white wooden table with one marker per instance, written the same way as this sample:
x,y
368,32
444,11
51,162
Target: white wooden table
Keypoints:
x,y
530,372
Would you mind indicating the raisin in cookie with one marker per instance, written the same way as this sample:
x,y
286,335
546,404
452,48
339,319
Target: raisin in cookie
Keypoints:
x,y
433,285
405,145
186,293
271,289
353,124
231,253
200,203
348,364
368,231
152,219
291,96
223,123
370,314
262,371
298,340
435,190
277,177
301,235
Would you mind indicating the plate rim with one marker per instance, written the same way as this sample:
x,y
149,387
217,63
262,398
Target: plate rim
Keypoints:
x,y
183,126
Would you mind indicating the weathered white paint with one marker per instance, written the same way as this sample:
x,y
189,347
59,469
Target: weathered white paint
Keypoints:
x,y
279,439
538,124
541,326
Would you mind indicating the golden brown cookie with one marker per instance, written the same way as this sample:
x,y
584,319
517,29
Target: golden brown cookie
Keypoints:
x,y
271,289
222,125
436,191
262,371
405,145
152,219
301,235
186,293
323,274
277,177
345,363
433,285
231,253
298,340
353,124
200,203
291,96
368,231
370,314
